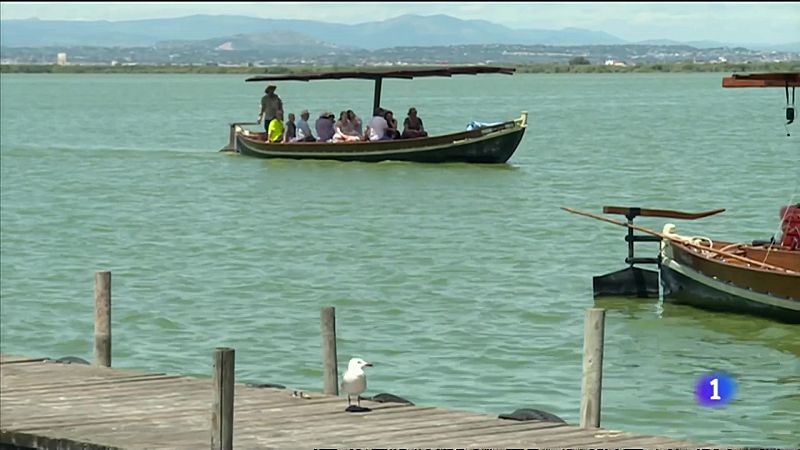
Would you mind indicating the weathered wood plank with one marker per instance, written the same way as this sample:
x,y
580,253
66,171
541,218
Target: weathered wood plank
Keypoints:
x,y
562,438
129,388
465,435
386,433
6,359
374,428
26,440
72,370
622,442
98,384
132,406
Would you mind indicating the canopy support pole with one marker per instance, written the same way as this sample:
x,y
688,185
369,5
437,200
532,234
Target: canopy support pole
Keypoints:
x,y
376,102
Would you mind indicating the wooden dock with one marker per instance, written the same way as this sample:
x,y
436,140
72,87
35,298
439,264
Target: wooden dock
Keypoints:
x,y
45,404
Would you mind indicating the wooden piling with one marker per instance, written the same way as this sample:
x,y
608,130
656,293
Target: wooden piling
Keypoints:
x,y
592,367
102,318
329,363
222,406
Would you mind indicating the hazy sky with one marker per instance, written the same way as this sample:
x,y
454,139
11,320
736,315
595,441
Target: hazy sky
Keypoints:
x,y
741,22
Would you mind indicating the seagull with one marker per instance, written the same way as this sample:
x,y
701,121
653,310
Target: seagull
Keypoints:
x,y
354,381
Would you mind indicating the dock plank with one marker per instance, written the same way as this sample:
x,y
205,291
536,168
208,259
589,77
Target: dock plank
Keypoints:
x,y
44,404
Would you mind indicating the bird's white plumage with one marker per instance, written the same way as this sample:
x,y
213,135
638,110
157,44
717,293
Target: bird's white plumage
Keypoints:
x,y
354,381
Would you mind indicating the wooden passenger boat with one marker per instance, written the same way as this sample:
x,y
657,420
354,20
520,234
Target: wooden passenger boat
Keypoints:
x,y
488,144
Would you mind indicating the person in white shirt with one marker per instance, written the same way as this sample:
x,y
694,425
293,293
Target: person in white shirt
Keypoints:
x,y
376,128
303,130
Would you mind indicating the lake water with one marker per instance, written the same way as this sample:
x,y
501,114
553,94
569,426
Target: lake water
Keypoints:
x,y
465,285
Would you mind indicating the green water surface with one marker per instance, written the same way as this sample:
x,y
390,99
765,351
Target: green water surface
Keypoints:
x,y
465,285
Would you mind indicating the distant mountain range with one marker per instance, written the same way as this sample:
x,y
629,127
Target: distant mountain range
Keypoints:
x,y
402,31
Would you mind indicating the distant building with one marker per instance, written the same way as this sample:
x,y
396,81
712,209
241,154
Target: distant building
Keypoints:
x,y
611,62
61,59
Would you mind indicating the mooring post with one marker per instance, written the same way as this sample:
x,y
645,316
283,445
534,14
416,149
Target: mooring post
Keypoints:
x,y
329,364
102,318
592,385
222,406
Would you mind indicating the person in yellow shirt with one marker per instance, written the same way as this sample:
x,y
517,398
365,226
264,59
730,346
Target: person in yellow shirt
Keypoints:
x,y
275,131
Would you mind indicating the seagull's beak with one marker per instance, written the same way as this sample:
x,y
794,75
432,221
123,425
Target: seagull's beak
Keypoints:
x,y
368,365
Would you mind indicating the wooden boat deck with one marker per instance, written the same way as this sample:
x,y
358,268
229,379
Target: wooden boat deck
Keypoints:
x,y
44,404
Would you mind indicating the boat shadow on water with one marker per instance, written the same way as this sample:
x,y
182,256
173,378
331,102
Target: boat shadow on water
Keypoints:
x,y
736,327
462,166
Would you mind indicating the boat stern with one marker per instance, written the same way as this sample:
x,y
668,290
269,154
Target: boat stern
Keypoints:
x,y
235,129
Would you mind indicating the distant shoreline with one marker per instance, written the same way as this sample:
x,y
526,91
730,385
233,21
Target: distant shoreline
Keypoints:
x,y
787,66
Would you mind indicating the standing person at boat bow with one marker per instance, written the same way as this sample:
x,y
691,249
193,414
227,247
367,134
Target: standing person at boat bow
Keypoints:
x,y
270,105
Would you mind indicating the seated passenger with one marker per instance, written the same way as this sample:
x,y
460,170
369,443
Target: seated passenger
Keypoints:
x,y
325,126
391,130
376,128
289,130
275,131
358,126
412,126
345,130
303,130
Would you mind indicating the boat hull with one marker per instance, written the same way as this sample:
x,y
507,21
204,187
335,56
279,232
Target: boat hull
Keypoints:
x,y
692,279
683,290
491,145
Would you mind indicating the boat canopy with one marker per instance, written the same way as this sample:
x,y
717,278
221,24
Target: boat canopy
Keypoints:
x,y
774,79
380,74
443,71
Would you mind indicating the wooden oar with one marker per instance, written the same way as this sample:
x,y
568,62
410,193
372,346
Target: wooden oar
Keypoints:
x,y
664,236
625,210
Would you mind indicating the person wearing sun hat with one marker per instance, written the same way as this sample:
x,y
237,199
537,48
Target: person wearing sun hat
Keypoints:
x,y
270,105
303,130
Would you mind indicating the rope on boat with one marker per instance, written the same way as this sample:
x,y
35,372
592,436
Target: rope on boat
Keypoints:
x,y
700,241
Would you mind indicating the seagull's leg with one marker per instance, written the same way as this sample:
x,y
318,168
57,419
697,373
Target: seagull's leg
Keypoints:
x,y
358,399
348,400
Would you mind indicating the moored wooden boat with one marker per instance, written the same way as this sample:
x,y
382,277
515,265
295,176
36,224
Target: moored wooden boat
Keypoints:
x,y
488,144
761,279
767,286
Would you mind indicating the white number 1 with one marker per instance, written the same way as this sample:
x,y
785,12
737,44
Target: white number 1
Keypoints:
x,y
715,384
